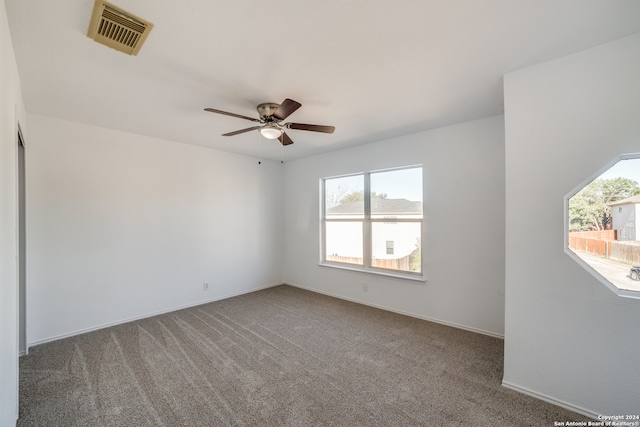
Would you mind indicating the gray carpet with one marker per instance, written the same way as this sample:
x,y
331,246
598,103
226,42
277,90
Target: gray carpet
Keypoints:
x,y
278,357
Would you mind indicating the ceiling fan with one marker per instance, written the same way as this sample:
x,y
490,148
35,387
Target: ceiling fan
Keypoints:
x,y
271,116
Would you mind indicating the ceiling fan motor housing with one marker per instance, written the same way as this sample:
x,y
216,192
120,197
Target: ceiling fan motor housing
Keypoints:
x,y
266,111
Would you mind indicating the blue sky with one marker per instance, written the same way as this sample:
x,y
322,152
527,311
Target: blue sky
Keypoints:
x,y
629,168
397,184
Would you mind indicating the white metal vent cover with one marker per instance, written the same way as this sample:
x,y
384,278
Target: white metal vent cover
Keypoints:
x,y
117,28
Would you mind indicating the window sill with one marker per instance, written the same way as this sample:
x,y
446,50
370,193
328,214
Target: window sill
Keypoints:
x,y
411,277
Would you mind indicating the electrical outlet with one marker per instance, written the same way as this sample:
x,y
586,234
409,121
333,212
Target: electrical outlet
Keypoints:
x,y
205,286
365,287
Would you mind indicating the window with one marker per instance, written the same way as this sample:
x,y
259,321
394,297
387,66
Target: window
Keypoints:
x,y
603,225
389,247
373,221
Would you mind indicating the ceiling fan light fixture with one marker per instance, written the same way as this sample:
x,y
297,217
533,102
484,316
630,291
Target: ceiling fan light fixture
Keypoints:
x,y
270,131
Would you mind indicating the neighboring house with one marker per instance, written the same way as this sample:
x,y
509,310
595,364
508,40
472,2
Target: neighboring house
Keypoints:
x,y
390,240
625,218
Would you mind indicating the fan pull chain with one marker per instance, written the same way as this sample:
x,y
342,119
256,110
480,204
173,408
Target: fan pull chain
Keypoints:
x,y
281,154
259,148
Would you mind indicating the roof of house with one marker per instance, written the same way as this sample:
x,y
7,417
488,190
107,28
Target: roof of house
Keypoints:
x,y
627,201
379,207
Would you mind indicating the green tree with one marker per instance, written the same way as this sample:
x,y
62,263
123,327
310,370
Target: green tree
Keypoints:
x,y
589,210
359,195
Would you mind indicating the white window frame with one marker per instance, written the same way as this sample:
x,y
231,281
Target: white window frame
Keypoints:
x,y
367,222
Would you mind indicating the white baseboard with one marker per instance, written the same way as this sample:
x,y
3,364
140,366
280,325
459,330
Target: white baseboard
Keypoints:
x,y
561,403
144,316
405,313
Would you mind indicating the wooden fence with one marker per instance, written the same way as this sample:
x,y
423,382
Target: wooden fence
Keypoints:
x,y
594,246
604,243
626,251
596,235
393,264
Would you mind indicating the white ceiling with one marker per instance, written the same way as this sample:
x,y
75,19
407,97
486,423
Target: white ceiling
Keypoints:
x,y
372,68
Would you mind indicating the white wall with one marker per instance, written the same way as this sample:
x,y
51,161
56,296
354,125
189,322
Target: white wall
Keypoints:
x,y
568,338
11,111
625,221
121,226
463,248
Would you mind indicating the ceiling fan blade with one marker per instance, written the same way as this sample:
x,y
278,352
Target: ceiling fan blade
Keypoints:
x,y
285,109
213,110
313,128
241,131
284,139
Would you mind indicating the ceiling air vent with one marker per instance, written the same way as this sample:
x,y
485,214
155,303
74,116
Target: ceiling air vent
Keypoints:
x,y
117,28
